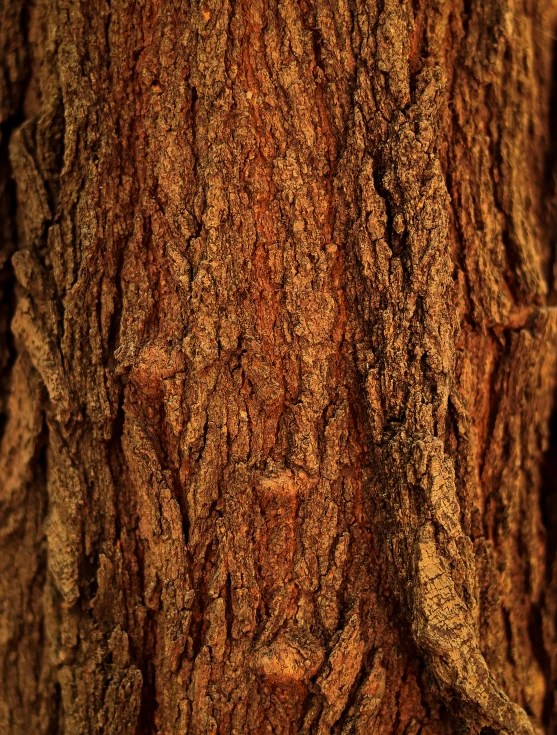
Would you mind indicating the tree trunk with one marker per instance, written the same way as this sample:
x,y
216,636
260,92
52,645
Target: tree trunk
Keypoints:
x,y
278,356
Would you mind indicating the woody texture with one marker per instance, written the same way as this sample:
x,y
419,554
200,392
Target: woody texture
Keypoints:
x,y
278,367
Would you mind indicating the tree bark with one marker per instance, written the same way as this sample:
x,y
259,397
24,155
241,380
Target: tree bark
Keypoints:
x,y
278,345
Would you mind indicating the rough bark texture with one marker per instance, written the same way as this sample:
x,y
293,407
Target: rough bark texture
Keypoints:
x,y
278,354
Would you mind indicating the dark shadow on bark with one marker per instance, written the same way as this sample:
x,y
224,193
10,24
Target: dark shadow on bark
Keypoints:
x,y
549,515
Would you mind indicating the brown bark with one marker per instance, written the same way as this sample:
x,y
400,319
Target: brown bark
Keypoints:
x,y
278,341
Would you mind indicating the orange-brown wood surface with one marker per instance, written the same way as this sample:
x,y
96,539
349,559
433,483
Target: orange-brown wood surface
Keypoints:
x,y
278,341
